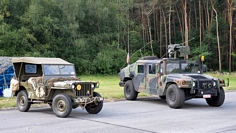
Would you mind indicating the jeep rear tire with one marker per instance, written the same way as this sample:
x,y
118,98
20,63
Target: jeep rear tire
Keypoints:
x,y
62,105
218,100
94,108
175,96
22,101
129,92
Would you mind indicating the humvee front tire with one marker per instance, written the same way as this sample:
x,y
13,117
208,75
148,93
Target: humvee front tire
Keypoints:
x,y
175,97
62,105
218,100
129,91
23,103
93,108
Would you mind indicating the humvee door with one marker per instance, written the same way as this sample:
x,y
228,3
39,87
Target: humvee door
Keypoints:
x,y
139,78
151,79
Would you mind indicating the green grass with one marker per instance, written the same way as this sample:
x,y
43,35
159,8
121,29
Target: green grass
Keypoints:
x,y
7,102
225,76
109,87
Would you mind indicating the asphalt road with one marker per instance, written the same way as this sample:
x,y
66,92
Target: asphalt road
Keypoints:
x,y
145,115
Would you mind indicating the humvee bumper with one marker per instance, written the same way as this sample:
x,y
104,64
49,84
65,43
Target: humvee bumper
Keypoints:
x,y
121,84
202,92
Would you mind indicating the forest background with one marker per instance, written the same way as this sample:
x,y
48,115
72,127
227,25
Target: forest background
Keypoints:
x,y
96,35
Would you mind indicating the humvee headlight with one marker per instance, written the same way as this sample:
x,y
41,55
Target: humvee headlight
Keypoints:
x,y
92,85
193,84
214,83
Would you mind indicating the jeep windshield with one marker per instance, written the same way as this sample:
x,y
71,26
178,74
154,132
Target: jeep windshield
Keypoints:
x,y
58,70
174,67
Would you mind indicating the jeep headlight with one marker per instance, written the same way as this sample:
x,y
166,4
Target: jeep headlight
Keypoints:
x,y
92,85
72,86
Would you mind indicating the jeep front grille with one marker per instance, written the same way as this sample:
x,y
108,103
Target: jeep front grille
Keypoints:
x,y
83,90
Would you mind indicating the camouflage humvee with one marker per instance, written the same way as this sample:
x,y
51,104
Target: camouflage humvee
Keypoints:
x,y
52,81
173,79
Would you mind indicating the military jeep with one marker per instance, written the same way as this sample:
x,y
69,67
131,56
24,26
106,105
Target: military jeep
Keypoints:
x,y
53,81
175,79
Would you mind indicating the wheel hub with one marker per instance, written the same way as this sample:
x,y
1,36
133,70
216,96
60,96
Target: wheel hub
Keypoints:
x,y
22,100
61,105
128,90
172,96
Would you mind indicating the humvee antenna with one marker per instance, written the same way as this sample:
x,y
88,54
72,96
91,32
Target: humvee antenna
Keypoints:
x,y
136,52
187,41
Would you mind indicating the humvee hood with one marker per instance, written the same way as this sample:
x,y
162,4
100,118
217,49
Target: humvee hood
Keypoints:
x,y
190,76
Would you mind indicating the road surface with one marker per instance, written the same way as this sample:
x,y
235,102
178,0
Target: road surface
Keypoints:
x,y
145,115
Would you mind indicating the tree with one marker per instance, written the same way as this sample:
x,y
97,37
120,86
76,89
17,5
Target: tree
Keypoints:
x,y
217,33
230,17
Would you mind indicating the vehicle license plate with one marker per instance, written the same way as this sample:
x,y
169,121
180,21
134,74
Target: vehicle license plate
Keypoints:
x,y
207,96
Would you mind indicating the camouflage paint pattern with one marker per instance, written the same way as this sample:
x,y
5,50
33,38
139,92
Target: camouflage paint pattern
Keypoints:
x,y
158,82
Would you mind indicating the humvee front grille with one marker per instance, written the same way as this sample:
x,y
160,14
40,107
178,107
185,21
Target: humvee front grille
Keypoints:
x,y
85,90
205,84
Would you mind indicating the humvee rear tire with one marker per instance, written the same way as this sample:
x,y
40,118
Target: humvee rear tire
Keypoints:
x,y
218,100
175,97
22,101
93,108
129,91
62,105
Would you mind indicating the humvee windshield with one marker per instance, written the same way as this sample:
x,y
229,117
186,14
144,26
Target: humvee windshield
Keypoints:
x,y
174,67
58,69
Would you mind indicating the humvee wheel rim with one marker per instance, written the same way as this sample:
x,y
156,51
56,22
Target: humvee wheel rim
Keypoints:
x,y
128,90
172,96
61,106
22,100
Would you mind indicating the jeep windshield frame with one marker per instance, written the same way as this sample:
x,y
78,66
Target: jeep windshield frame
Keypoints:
x,y
59,70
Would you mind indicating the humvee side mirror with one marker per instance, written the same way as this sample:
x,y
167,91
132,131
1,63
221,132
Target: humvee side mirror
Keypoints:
x,y
204,68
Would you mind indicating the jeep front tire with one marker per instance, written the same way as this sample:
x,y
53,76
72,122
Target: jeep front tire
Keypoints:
x,y
62,105
129,91
175,96
94,108
22,101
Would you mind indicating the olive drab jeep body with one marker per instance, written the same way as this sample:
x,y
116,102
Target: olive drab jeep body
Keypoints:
x,y
53,81
174,79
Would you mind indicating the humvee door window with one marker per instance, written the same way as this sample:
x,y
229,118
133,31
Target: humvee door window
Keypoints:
x,y
66,69
140,68
30,68
51,69
152,69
